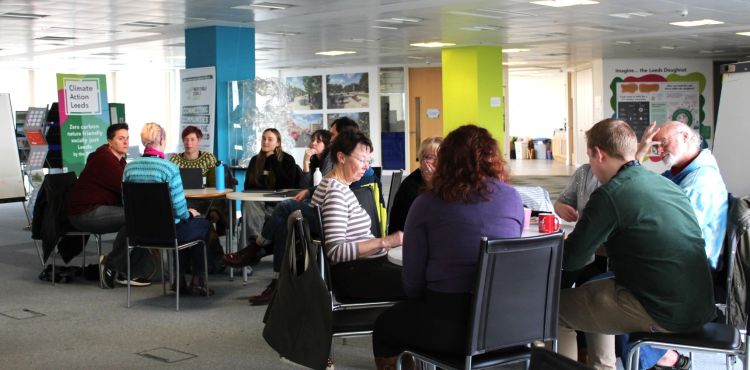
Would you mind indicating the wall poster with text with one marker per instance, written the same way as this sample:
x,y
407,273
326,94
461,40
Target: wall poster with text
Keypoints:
x,y
197,101
84,117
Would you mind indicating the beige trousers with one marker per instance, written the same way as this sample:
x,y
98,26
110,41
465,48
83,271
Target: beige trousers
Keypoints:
x,y
600,309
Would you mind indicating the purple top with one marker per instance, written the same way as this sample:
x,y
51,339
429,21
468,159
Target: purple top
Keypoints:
x,y
441,239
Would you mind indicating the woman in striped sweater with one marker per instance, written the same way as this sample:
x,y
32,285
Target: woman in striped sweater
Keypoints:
x,y
360,268
153,168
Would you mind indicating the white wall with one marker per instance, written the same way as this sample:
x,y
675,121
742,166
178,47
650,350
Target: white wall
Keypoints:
x,y
537,103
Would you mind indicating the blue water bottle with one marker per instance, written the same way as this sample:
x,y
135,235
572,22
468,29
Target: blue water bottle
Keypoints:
x,y
219,175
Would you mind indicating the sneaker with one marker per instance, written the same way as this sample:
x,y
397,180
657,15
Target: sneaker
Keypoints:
x,y
122,280
106,275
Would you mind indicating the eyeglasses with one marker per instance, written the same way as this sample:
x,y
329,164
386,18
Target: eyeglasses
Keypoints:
x,y
665,142
363,161
429,157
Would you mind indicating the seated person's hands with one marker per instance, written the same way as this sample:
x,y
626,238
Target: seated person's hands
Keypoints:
x,y
566,212
193,212
393,240
301,195
646,141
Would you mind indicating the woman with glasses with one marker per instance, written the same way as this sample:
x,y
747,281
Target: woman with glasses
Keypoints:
x,y
359,264
415,183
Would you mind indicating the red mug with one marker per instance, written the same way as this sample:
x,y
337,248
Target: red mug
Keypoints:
x,y
548,223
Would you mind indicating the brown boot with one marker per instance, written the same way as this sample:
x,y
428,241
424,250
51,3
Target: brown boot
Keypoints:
x,y
265,297
248,256
386,363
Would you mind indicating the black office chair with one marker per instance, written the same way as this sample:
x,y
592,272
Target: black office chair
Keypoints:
x,y
395,184
351,318
59,236
542,359
149,218
714,337
515,303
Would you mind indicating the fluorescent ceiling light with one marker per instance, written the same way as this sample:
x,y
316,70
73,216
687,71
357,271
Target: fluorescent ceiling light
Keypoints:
x,y
407,19
333,53
562,3
481,28
665,47
743,33
385,27
702,22
631,14
432,44
359,40
514,63
514,50
22,15
622,42
283,33
264,5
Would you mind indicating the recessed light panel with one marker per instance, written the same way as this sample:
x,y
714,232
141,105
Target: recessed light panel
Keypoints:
x,y
333,53
433,44
702,22
563,3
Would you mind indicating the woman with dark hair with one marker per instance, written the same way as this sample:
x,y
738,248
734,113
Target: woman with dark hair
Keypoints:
x,y
314,154
467,199
359,265
271,169
193,157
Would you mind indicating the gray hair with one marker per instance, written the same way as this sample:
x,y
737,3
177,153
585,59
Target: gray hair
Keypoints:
x,y
693,137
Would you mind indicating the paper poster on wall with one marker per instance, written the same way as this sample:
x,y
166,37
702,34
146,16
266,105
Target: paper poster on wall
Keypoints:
x,y
362,119
197,101
305,92
301,126
84,117
348,90
640,103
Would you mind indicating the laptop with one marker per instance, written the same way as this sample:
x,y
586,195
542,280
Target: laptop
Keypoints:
x,y
192,178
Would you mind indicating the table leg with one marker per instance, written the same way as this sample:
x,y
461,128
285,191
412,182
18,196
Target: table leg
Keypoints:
x,y
232,219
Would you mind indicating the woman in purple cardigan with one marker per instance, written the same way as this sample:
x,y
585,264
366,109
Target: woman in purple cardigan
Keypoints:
x,y
467,199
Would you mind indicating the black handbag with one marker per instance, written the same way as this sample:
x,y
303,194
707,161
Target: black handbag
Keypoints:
x,y
299,322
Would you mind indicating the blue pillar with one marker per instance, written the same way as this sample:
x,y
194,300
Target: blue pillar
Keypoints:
x,y
232,51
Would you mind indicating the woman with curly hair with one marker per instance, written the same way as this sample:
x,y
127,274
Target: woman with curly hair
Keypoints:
x,y
466,200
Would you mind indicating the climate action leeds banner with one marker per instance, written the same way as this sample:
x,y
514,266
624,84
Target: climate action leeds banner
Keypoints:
x,y
84,117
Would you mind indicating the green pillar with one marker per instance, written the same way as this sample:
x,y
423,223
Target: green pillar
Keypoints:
x,y
473,89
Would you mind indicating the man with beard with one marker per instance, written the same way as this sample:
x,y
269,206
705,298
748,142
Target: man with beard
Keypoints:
x,y
696,172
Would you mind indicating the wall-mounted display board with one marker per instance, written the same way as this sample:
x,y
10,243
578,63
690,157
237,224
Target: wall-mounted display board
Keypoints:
x,y
11,178
733,128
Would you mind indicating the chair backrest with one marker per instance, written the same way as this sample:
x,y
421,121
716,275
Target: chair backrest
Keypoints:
x,y
517,292
366,198
395,184
149,216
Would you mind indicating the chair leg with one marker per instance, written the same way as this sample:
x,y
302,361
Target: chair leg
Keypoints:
x,y
54,257
205,269
176,277
161,272
127,260
83,249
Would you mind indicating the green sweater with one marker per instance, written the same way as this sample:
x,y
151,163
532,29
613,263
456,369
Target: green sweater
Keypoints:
x,y
654,246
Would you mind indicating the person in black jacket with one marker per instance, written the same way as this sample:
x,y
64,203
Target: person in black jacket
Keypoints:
x,y
414,184
271,169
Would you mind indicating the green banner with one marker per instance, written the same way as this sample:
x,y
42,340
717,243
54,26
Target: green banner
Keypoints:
x,y
84,117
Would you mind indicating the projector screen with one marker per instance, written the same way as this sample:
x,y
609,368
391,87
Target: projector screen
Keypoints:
x,y
11,178
733,132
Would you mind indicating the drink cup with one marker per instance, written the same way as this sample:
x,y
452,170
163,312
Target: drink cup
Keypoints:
x,y
548,223
526,218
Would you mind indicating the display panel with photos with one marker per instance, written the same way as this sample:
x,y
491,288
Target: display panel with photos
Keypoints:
x,y
362,119
347,91
301,126
305,92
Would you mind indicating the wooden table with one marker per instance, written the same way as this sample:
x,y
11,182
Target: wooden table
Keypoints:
x,y
250,196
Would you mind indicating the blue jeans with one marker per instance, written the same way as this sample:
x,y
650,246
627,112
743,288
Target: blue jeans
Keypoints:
x,y
647,357
275,228
188,231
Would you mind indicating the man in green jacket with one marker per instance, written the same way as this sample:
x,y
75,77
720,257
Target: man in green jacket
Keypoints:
x,y
662,281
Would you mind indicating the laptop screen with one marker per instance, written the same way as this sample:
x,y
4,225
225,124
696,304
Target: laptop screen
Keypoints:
x,y
192,178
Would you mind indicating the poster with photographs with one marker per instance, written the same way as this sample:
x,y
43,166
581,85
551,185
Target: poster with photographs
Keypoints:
x,y
301,126
348,90
305,92
362,119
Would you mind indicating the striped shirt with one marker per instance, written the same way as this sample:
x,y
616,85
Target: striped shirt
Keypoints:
x,y
154,169
345,222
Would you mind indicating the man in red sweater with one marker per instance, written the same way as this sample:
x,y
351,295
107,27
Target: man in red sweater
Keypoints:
x,y
95,203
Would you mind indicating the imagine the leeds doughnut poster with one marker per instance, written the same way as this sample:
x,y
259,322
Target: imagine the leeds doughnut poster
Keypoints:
x,y
348,90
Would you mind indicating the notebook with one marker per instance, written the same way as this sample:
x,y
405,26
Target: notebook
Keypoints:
x,y
192,178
